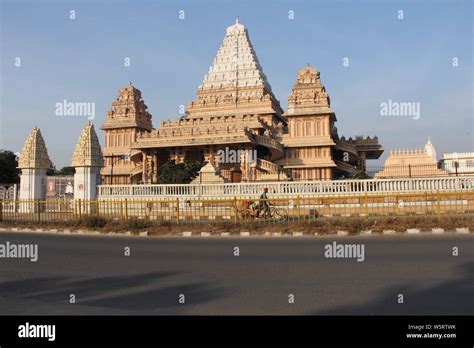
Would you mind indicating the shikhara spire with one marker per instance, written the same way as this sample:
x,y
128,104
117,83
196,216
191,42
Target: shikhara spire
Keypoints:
x,y
34,153
235,81
88,151
236,64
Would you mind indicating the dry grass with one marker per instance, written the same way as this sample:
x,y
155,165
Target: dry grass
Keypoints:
x,y
321,226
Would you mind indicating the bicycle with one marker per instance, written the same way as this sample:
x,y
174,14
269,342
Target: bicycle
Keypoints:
x,y
252,210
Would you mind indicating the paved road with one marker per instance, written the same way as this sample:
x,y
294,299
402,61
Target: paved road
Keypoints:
x,y
259,281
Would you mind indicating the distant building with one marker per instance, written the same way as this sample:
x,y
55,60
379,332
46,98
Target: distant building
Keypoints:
x,y
403,163
458,163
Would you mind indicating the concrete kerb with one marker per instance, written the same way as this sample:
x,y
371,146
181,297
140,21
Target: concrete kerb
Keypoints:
x,y
340,233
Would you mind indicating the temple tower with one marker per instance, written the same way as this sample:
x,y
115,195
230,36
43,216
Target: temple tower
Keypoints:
x,y
127,118
235,110
87,160
33,162
235,81
309,140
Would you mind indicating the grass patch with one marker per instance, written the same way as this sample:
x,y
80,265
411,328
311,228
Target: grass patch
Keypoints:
x,y
320,225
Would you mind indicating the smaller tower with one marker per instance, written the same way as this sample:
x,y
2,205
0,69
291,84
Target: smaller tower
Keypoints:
x,y
33,162
87,160
430,150
127,118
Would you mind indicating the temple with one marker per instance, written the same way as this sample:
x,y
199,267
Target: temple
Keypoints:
x,y
421,162
235,110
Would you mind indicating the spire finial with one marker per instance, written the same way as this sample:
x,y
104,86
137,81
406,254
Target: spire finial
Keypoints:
x,y
237,20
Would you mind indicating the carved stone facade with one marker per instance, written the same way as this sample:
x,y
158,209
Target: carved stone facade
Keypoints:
x,y
127,118
236,109
88,152
87,161
34,153
33,162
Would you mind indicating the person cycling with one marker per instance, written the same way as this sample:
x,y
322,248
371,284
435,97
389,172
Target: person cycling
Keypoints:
x,y
263,203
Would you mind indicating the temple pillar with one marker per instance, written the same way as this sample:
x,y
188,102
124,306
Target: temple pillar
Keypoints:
x,y
155,169
33,163
32,184
87,161
361,161
144,167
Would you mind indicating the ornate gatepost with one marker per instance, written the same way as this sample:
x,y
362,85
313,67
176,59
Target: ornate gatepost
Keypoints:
x,y
87,160
33,162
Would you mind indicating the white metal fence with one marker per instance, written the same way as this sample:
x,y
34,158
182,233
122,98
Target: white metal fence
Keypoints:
x,y
286,189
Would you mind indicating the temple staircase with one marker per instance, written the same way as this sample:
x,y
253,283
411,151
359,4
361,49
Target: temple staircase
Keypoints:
x,y
269,171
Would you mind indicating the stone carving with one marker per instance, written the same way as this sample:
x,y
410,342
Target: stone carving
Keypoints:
x,y
88,152
235,106
34,153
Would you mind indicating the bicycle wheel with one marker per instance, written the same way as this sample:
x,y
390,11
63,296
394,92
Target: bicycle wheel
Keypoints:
x,y
280,214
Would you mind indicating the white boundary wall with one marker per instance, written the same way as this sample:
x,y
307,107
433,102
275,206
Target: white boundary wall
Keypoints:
x,y
288,188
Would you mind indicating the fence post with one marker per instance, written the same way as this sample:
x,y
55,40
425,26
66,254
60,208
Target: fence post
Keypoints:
x,y
37,203
80,209
126,209
235,209
299,210
366,207
438,206
1,209
426,204
177,210
121,210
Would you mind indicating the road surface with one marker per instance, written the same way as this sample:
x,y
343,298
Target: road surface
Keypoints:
x,y
261,280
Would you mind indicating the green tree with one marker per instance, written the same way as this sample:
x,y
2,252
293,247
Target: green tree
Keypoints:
x,y
360,174
181,173
63,171
66,171
8,171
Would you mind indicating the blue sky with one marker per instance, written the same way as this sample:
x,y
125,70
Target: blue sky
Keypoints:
x,y
407,60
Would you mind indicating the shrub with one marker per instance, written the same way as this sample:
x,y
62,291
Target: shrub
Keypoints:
x,y
94,222
138,224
